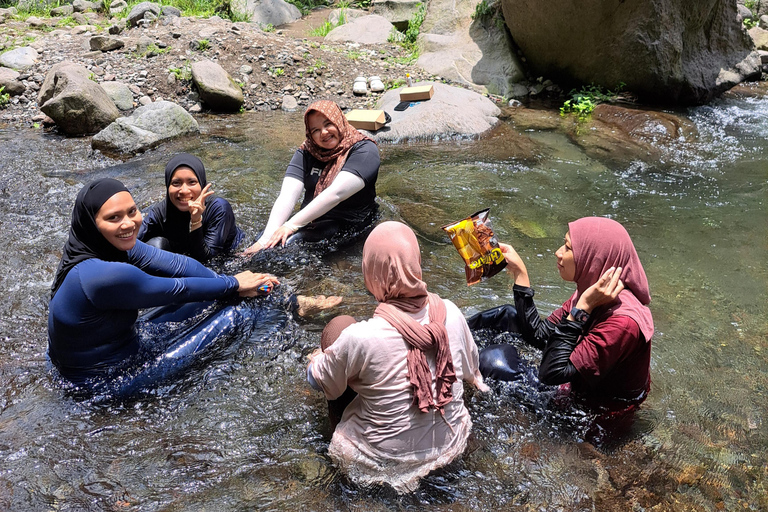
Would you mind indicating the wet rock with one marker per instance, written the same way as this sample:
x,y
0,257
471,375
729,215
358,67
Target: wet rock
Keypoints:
x,y
268,12
19,58
147,127
365,30
9,80
77,104
218,91
106,43
452,112
119,93
64,10
139,10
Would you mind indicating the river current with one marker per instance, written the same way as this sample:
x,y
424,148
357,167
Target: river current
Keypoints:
x,y
243,431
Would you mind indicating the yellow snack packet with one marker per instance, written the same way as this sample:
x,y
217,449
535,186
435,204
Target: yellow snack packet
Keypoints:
x,y
478,246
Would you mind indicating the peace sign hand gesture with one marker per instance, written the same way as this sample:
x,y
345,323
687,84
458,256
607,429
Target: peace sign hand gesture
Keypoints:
x,y
197,206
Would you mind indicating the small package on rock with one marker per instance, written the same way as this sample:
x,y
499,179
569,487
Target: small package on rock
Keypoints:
x,y
370,120
478,246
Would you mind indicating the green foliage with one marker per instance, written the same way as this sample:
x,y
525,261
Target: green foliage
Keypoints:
x,y
151,51
92,77
268,27
5,98
483,10
66,21
354,54
394,83
184,73
276,71
203,44
750,4
326,27
750,23
306,6
414,24
584,101
316,65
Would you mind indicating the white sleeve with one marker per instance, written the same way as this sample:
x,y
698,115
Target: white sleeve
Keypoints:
x,y
344,186
290,192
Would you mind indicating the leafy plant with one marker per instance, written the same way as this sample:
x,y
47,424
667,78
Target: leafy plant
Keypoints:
x,y
326,27
276,71
483,10
354,54
203,44
306,6
584,101
184,73
5,98
66,21
268,27
414,24
750,23
394,83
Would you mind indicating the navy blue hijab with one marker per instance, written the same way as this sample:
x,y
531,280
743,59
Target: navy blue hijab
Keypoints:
x,y
85,240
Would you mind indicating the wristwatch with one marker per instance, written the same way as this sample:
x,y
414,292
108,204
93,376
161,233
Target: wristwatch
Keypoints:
x,y
580,315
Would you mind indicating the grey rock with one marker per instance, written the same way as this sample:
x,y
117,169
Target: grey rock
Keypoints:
x,y
475,52
115,30
267,12
335,17
245,69
77,104
759,38
147,127
763,22
117,6
143,44
365,30
119,93
64,10
218,91
196,108
289,103
694,56
169,10
19,58
34,21
106,43
82,5
139,10
744,13
80,18
145,100
452,112
397,12
9,80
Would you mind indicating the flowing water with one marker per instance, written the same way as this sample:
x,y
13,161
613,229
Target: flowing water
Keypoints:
x,y
245,432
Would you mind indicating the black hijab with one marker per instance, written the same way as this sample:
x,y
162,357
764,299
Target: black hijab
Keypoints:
x,y
174,220
85,240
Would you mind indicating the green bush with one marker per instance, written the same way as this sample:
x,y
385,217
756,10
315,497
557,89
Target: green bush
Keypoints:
x,y
5,98
584,100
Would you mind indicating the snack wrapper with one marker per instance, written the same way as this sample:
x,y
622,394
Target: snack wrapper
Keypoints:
x,y
478,246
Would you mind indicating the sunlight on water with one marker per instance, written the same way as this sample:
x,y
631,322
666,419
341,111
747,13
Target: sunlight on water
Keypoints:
x,y
243,431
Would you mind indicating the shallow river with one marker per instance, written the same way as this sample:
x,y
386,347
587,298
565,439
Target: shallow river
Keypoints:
x,y
243,431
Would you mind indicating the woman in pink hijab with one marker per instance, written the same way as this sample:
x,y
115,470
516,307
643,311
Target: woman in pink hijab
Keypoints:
x,y
406,364
599,340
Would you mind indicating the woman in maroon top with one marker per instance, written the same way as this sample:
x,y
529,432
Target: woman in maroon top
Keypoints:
x,y
599,340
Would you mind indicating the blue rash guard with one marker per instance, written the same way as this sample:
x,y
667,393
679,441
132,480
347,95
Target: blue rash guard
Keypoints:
x,y
92,316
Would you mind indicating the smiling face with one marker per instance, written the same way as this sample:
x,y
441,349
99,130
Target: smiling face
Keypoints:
x,y
119,220
183,188
323,132
565,263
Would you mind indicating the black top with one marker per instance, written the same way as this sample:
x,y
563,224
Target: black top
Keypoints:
x,y
363,161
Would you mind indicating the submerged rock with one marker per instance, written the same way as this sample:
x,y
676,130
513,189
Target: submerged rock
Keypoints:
x,y
77,104
147,127
452,112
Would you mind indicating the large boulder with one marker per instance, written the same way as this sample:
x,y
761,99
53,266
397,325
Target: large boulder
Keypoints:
x,y
218,91
19,58
452,112
119,93
267,12
475,52
397,12
147,127
9,81
141,11
667,51
77,104
366,30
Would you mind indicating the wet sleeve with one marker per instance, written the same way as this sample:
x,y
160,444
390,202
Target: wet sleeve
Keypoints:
x,y
344,186
534,329
290,192
210,239
333,368
150,226
605,345
166,264
109,285
556,367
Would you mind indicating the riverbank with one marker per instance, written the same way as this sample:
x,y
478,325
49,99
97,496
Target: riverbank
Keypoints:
x,y
156,58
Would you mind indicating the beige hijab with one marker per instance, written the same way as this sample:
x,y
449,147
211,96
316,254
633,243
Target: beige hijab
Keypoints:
x,y
392,272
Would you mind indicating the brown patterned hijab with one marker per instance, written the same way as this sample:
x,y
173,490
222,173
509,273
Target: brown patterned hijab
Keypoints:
x,y
332,158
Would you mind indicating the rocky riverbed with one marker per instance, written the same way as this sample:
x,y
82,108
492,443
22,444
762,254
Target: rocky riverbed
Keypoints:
x,y
283,68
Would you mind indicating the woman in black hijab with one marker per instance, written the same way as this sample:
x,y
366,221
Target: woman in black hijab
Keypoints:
x,y
106,276
191,220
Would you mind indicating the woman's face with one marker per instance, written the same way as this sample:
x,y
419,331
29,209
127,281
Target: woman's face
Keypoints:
x,y
118,220
184,187
324,133
565,264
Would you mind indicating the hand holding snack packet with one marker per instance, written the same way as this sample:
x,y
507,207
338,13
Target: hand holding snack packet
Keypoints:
x,y
476,243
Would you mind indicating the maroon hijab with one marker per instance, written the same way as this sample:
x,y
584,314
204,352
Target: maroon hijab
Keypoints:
x,y
392,272
599,244
332,158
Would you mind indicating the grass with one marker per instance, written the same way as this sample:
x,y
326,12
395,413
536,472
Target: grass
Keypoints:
x,y
5,98
276,72
151,51
184,73
203,44
408,39
326,27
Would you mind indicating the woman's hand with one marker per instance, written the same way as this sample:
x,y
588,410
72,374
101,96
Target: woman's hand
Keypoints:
x,y
250,283
605,290
252,250
280,236
197,206
515,264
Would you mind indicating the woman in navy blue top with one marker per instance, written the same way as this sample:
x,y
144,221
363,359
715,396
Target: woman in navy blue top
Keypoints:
x,y
106,276
191,220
